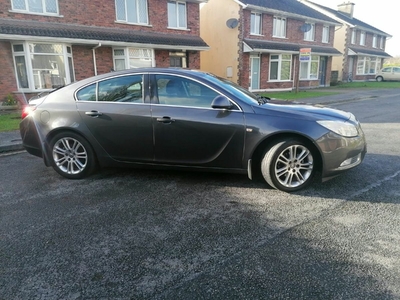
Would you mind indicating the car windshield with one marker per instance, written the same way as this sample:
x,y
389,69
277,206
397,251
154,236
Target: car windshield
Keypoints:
x,y
236,90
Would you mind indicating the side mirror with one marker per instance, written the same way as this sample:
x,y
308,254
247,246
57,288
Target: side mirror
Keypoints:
x,y
221,102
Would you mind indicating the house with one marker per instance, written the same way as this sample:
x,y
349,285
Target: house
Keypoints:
x,y
49,43
363,45
264,45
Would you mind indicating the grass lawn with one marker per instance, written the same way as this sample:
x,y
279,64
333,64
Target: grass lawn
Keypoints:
x,y
319,92
9,121
369,84
291,95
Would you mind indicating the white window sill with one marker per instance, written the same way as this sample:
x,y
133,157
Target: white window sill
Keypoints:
x,y
36,13
280,37
256,34
136,24
178,28
277,80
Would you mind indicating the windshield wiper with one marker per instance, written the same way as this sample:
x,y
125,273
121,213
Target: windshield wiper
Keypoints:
x,y
262,99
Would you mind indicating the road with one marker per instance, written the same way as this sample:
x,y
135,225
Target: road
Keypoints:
x,y
140,234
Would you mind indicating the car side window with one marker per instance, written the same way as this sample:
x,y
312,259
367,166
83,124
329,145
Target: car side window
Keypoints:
x,y
121,89
180,91
387,70
87,93
396,70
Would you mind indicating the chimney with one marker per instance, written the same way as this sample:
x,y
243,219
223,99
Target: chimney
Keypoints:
x,y
346,8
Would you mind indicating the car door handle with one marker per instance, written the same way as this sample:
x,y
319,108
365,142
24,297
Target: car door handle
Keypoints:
x,y
165,120
93,113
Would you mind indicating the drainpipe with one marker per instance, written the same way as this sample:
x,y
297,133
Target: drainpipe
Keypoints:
x,y
94,58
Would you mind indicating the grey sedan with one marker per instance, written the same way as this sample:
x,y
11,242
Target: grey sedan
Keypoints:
x,y
186,119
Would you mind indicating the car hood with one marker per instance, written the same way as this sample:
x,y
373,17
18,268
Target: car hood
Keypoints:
x,y
302,110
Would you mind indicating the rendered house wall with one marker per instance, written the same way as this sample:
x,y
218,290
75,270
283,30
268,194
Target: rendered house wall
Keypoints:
x,y
223,41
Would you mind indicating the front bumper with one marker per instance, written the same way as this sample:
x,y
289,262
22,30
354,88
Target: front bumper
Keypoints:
x,y
341,153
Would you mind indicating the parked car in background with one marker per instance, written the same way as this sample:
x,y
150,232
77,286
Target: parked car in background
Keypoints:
x,y
186,119
388,74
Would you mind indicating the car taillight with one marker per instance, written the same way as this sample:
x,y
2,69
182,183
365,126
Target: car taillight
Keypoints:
x,y
26,111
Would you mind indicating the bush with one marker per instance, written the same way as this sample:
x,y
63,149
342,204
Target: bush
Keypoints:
x,y
10,100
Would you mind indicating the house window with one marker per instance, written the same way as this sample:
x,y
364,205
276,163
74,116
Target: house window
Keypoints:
x,y
36,6
41,66
325,34
362,38
374,41
132,11
255,26
280,67
177,14
353,36
368,65
309,69
177,59
310,34
381,42
131,58
279,29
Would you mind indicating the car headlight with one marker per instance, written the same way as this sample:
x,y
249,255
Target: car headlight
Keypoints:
x,y
340,128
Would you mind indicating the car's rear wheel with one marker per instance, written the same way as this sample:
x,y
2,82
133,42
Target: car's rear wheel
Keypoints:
x,y
288,165
379,78
72,156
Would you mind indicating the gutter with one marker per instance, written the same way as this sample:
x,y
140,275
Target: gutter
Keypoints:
x,y
94,58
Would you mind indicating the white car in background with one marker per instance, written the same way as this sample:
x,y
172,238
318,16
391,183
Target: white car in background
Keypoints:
x,y
388,73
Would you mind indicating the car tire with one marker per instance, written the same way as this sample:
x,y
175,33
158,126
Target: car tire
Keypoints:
x,y
379,78
288,165
71,155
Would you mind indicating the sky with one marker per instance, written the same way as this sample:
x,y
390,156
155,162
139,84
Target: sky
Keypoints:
x,y
382,14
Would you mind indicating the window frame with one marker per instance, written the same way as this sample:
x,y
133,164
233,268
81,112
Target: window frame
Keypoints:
x,y
44,7
325,33
374,41
314,59
310,35
177,14
66,55
353,36
126,57
368,61
280,60
256,29
126,19
381,43
363,37
279,27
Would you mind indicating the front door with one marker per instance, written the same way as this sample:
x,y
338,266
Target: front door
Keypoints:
x,y
322,70
187,130
255,73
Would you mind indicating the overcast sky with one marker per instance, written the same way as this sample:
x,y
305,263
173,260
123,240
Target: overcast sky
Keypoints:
x,y
382,14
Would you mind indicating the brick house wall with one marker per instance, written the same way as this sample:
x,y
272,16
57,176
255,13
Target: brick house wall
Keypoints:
x,y
293,35
101,13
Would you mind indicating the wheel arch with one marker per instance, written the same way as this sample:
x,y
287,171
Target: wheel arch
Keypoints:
x,y
271,140
56,131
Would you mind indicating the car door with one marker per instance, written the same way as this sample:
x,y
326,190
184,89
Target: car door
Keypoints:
x,y
117,112
188,131
396,73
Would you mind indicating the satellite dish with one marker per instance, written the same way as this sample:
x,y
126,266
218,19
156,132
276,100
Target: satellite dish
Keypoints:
x,y
305,27
232,23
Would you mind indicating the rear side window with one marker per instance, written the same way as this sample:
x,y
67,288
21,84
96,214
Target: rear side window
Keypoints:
x,y
119,89
87,93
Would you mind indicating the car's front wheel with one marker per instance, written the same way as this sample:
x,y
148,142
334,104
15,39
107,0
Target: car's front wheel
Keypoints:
x,y
379,78
71,155
288,165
